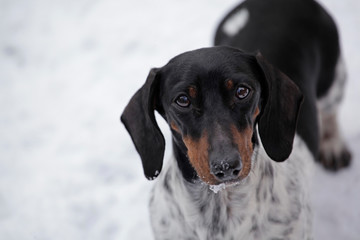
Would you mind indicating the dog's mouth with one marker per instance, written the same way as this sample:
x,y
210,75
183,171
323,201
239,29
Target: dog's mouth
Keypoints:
x,y
226,185
235,182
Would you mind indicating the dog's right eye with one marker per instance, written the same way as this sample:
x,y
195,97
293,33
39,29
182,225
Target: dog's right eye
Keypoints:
x,y
242,92
183,101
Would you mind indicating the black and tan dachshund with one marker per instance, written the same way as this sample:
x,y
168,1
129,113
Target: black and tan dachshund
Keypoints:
x,y
236,116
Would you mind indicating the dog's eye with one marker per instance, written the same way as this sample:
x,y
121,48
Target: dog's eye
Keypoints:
x,y
183,101
242,92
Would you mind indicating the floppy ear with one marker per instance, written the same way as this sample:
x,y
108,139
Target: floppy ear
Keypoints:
x,y
139,120
277,124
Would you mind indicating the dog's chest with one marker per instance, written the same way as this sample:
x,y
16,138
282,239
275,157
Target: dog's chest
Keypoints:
x,y
249,211
226,215
239,213
201,214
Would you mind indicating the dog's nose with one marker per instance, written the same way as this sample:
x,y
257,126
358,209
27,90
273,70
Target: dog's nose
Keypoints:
x,y
227,169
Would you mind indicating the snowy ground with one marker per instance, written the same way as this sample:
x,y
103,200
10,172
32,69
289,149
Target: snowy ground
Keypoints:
x,y
68,169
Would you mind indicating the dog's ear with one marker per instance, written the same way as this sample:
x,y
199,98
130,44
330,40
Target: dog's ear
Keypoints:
x,y
280,109
139,120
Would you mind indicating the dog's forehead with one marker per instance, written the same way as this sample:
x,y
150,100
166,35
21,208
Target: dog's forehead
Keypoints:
x,y
208,63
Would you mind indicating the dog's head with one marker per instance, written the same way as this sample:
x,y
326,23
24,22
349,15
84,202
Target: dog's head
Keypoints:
x,y
213,98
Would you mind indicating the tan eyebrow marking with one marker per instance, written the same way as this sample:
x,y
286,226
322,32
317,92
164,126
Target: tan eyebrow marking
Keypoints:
x,y
192,92
229,84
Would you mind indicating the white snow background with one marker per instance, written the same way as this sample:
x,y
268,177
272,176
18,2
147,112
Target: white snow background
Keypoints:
x,y
68,169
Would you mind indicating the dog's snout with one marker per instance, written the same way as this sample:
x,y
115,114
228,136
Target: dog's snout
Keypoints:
x,y
226,169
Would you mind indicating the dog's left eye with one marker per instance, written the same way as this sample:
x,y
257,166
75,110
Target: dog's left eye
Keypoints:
x,y
183,101
242,92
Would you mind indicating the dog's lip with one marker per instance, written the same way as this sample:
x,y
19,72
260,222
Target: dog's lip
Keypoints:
x,y
223,185
217,188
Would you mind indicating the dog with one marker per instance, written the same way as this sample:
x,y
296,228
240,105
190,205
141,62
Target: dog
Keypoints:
x,y
248,118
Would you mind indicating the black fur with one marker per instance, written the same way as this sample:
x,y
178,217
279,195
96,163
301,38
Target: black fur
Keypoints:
x,y
304,46
207,69
139,120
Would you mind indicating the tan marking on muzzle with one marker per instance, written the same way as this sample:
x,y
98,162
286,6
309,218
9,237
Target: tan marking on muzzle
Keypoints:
x,y
245,147
256,113
174,127
198,154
